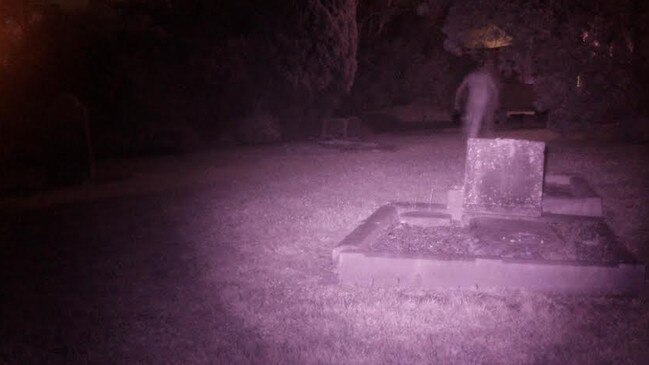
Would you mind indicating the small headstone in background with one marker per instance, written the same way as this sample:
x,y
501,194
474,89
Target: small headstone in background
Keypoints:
x,y
504,176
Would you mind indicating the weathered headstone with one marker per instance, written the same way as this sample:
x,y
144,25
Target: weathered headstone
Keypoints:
x,y
504,176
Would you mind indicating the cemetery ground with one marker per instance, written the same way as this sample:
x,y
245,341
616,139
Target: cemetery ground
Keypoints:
x,y
225,257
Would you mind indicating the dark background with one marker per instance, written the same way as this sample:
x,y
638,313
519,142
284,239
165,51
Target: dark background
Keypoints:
x,y
225,256
160,76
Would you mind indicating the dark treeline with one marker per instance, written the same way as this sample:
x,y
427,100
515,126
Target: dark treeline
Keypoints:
x,y
171,72
253,71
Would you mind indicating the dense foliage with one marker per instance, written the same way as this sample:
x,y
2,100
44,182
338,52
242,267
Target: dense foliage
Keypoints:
x,y
578,54
227,69
211,66
401,55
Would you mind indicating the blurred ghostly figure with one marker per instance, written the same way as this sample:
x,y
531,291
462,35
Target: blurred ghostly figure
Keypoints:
x,y
479,93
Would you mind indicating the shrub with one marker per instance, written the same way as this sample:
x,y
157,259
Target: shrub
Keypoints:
x,y
401,55
577,56
259,128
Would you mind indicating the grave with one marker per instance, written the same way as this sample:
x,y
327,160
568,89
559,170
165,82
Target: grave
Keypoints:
x,y
504,176
569,194
507,226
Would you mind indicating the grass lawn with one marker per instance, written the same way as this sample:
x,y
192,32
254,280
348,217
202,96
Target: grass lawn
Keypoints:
x,y
225,257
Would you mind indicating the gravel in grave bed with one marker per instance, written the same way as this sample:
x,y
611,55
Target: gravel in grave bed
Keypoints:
x,y
571,241
452,242
592,241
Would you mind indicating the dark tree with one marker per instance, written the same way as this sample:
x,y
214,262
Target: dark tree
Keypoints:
x,y
213,66
269,68
298,61
577,53
401,58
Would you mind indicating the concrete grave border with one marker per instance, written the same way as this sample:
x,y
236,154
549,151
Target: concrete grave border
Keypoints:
x,y
582,199
357,265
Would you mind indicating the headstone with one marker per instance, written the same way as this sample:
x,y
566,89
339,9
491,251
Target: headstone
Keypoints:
x,y
504,176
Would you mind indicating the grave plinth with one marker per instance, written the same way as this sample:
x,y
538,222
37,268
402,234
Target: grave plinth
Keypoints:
x,y
491,233
552,253
504,176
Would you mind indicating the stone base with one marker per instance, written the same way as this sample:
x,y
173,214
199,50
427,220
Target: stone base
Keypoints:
x,y
426,218
357,264
478,273
565,194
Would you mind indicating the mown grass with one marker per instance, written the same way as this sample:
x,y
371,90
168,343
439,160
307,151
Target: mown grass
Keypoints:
x,y
309,211
239,271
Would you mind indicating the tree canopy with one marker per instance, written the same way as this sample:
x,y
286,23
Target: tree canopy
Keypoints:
x,y
212,63
578,54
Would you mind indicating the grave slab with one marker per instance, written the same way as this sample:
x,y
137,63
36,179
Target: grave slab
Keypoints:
x,y
566,194
504,176
551,253
506,226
